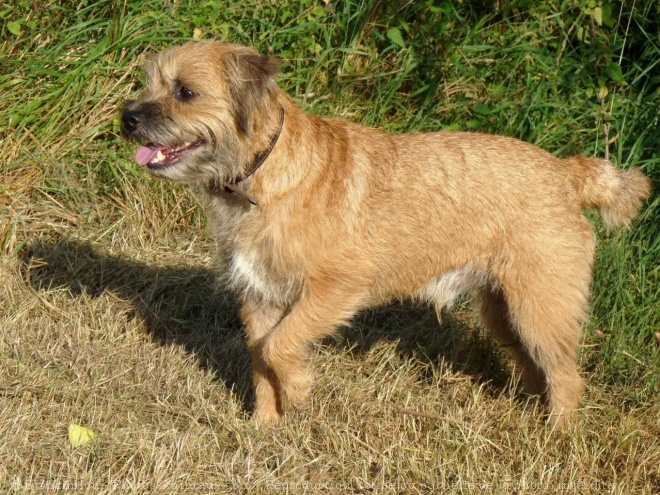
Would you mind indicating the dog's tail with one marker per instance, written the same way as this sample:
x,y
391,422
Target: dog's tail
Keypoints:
x,y
617,193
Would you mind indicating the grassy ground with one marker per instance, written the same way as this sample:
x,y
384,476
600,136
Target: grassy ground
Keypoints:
x,y
109,313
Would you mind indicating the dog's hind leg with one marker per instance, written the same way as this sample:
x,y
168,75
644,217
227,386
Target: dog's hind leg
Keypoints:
x,y
495,317
546,308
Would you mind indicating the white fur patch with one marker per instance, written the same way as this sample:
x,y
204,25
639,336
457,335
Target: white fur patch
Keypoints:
x,y
245,276
248,275
444,290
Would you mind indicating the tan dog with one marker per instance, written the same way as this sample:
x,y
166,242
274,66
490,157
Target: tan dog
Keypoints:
x,y
316,219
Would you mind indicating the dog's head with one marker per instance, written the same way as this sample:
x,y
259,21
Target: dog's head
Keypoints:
x,y
202,105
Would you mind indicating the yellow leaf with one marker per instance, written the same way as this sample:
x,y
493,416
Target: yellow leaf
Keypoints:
x,y
80,436
197,33
602,92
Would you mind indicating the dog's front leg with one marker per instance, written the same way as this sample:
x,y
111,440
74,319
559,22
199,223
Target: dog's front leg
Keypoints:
x,y
318,312
260,319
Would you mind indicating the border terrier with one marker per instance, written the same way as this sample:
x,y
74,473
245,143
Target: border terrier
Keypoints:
x,y
316,219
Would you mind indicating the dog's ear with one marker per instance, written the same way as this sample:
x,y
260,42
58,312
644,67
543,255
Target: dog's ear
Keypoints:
x,y
250,77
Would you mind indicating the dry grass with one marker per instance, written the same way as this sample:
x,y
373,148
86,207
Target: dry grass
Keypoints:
x,y
112,321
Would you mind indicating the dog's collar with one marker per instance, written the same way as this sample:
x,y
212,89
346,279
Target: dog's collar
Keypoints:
x,y
256,163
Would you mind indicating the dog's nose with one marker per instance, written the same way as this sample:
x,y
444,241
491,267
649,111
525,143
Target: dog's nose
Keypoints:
x,y
131,120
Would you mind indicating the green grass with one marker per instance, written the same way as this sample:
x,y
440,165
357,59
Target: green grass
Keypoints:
x,y
111,319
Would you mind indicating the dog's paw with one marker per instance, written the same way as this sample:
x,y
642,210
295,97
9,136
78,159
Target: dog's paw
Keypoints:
x,y
296,395
266,417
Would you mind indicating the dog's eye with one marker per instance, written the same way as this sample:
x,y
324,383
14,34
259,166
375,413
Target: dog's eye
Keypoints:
x,y
183,93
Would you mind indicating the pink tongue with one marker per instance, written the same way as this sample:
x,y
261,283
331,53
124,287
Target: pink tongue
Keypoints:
x,y
146,153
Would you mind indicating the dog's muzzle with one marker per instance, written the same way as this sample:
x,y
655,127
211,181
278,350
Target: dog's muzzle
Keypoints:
x,y
131,120
137,116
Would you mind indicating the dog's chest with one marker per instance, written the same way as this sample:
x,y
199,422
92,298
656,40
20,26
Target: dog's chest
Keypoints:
x,y
248,273
255,270
253,256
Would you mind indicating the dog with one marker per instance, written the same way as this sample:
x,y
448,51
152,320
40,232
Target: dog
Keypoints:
x,y
316,219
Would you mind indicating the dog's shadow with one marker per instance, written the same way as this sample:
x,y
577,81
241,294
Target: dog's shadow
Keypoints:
x,y
184,306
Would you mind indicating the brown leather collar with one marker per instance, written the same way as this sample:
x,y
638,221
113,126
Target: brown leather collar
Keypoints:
x,y
256,163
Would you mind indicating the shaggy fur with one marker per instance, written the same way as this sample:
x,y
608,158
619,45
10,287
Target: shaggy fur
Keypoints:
x,y
349,217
